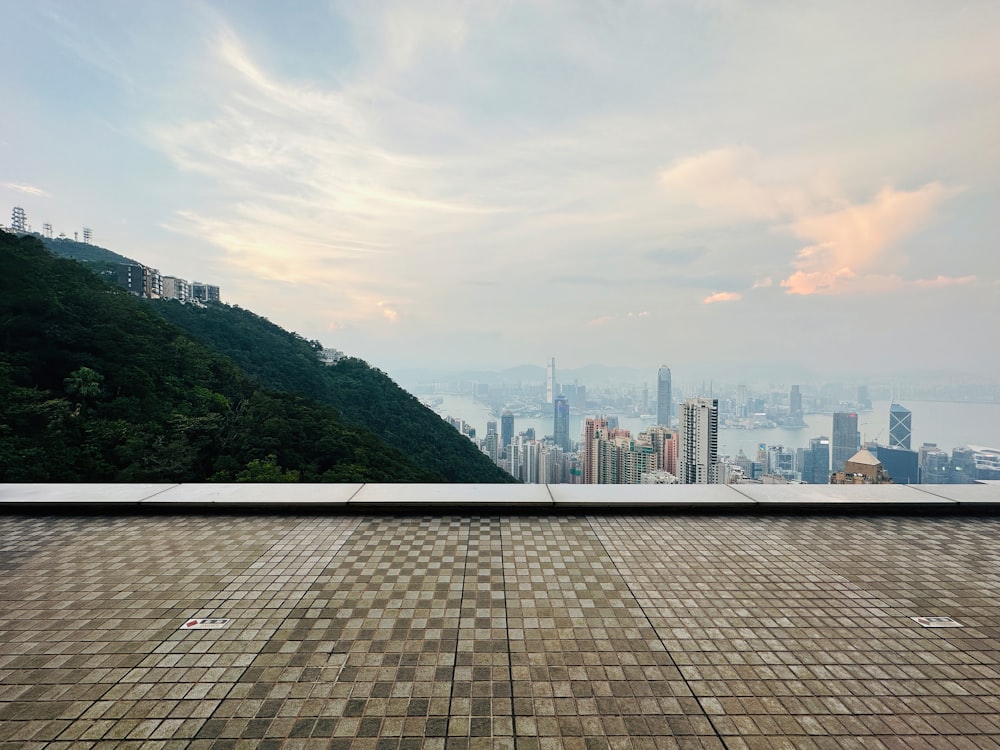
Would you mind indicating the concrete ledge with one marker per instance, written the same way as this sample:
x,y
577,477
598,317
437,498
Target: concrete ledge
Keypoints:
x,y
503,497
647,496
256,495
842,495
26,495
455,496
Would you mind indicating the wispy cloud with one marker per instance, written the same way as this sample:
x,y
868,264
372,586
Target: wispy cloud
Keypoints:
x,y
618,318
722,297
31,190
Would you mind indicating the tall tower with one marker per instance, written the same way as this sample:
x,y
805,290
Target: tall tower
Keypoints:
x,y
698,459
550,381
87,235
663,396
795,406
846,440
18,220
900,426
560,429
591,440
506,429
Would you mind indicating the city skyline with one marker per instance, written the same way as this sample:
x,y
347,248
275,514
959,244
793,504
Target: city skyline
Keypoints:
x,y
385,178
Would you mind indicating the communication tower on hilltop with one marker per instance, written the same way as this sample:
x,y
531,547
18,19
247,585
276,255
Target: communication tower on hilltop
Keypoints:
x,y
87,234
47,230
18,220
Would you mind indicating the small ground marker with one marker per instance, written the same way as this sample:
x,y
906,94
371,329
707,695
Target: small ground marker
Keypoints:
x,y
211,623
937,622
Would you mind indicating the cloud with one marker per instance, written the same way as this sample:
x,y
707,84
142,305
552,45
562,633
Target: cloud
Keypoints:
x,y
763,283
734,182
389,313
940,281
722,297
857,241
605,319
851,246
26,189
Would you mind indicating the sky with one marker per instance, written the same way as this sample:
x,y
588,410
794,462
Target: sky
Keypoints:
x,y
699,183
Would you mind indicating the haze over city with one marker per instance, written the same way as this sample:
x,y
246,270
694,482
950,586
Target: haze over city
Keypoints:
x,y
710,184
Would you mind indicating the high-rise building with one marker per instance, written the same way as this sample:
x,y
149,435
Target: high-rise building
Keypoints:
x,y
900,426
816,461
846,439
560,429
663,396
590,447
491,446
863,401
742,402
698,459
550,381
795,407
506,429
933,464
899,463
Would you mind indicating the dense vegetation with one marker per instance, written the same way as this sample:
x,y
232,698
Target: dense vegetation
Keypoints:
x,y
97,386
364,396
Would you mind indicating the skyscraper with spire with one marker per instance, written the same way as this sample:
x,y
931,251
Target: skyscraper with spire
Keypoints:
x,y
663,397
550,381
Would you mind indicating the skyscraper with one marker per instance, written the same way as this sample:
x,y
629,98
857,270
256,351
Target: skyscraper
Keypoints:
x,y
900,426
795,407
816,461
590,448
698,459
846,439
663,396
550,381
560,427
506,429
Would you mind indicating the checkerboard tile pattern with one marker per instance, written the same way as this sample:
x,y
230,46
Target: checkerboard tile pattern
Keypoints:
x,y
795,632
608,631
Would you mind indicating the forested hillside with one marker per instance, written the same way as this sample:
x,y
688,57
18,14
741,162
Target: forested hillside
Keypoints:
x,y
97,386
364,396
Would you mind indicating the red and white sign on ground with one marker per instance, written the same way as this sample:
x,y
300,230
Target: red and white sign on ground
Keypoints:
x,y
210,623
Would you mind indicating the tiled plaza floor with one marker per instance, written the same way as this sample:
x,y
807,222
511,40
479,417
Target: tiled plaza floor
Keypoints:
x,y
733,630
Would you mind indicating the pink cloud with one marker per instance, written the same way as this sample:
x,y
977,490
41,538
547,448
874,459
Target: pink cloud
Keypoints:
x,y
940,281
722,297
388,313
857,241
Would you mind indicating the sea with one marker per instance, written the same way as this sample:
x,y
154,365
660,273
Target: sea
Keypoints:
x,y
949,424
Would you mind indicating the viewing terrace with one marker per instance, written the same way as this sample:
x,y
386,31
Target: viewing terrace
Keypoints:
x,y
527,616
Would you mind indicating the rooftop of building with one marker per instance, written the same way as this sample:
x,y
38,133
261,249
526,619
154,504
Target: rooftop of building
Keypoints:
x,y
455,616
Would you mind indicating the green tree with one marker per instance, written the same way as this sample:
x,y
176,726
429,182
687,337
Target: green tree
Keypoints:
x,y
266,470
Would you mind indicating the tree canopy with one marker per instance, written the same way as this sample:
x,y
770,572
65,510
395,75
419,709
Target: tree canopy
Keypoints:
x,y
97,386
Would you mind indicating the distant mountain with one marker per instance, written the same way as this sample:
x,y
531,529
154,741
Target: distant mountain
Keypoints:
x,y
97,386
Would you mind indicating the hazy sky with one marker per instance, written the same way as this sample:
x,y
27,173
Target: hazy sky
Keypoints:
x,y
493,183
